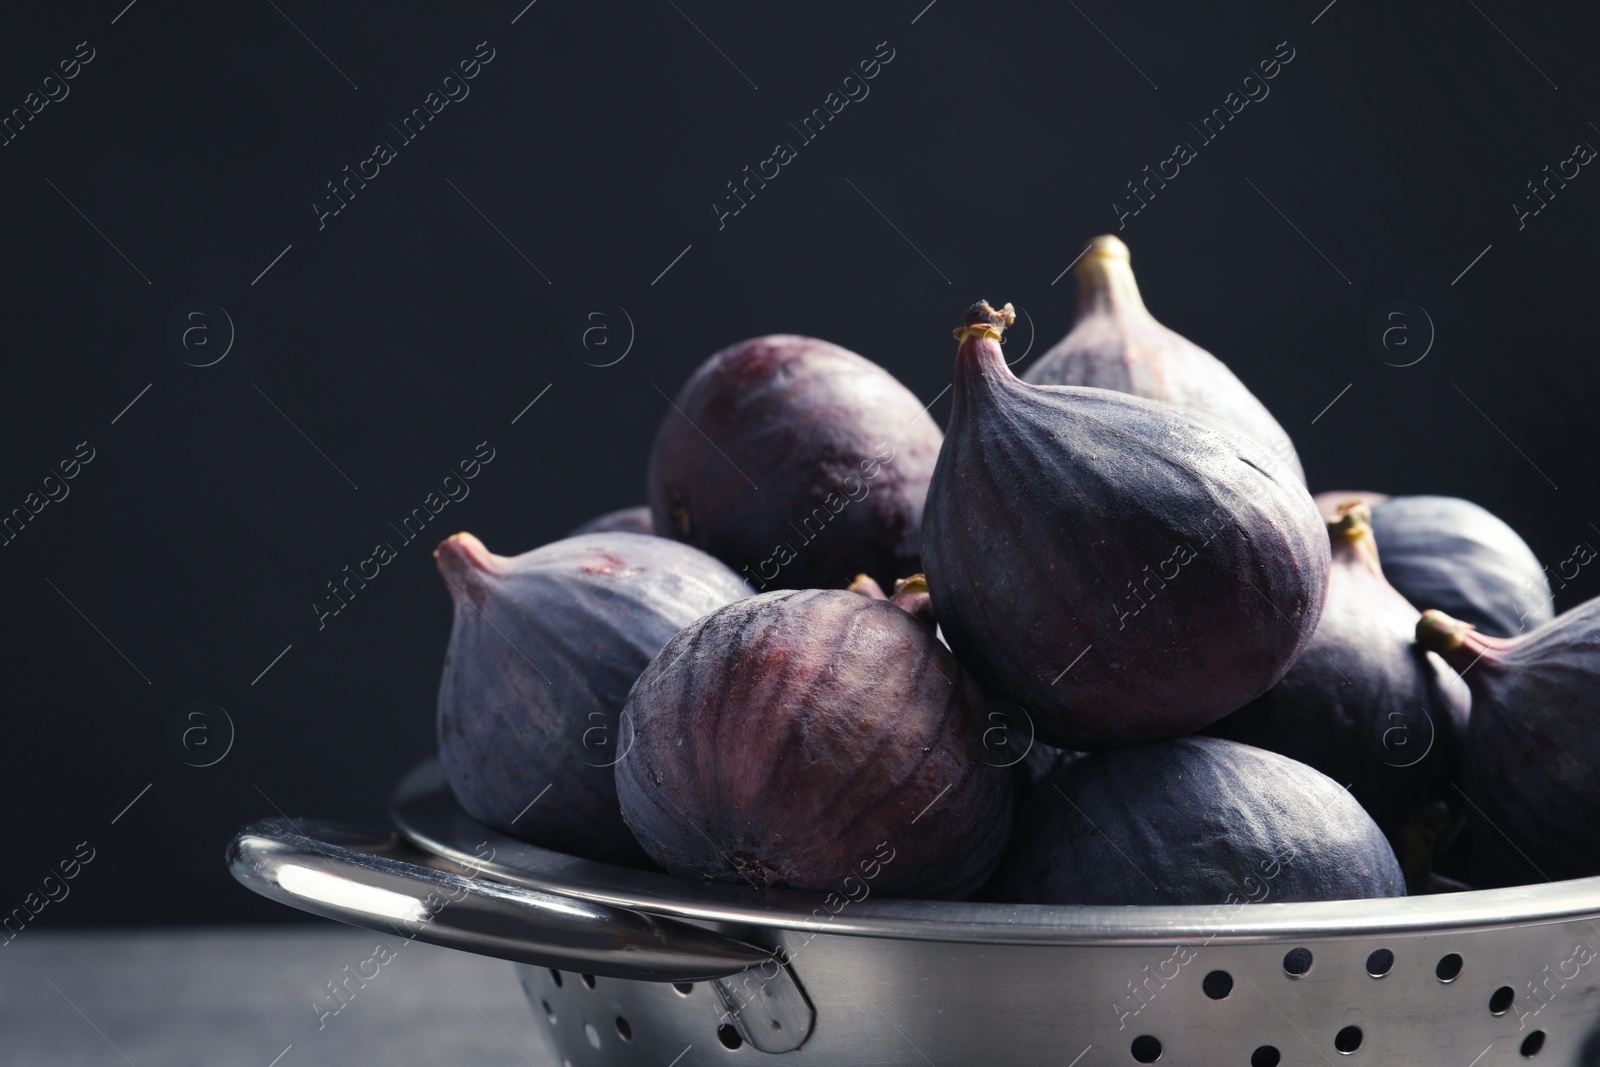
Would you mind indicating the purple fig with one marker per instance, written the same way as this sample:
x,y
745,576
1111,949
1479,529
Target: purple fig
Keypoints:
x,y
1197,820
796,462
1117,344
543,651
1364,704
1125,569
796,738
1450,554
623,520
1531,762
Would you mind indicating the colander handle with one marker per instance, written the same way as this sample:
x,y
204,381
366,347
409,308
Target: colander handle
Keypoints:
x,y
380,882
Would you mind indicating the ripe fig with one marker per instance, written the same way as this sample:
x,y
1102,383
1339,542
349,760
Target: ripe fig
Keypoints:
x,y
1117,344
1446,553
1197,820
543,651
1364,704
798,738
796,462
1531,762
1125,569
623,520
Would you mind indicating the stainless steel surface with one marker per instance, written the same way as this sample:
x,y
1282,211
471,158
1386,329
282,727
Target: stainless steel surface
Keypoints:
x,y
767,1006
379,882
1473,979
921,1003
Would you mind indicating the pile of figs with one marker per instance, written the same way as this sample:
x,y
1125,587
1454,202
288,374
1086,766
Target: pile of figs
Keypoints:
x,y
1095,643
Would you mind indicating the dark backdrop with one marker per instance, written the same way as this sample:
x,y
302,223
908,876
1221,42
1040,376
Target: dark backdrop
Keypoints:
x,y
387,341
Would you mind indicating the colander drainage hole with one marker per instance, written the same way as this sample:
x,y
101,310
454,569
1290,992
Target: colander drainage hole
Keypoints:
x,y
1500,1002
588,980
729,1036
1217,984
1297,962
1265,1056
548,1010
1449,968
1146,1049
592,1034
1348,1039
683,988
624,1029
1533,1043
1380,963
555,976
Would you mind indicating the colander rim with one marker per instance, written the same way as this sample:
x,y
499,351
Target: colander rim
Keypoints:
x,y
425,812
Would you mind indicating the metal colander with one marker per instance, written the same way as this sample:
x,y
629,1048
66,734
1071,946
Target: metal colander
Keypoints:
x,y
627,967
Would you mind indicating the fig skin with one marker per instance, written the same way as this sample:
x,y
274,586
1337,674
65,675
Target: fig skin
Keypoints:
x,y
793,738
796,462
1531,762
1036,768
1125,569
1196,820
1116,343
543,651
1364,704
1446,553
624,520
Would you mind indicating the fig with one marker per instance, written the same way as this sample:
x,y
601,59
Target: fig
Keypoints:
x,y
1196,820
1446,553
797,738
544,648
1364,704
1125,569
1115,343
796,462
1531,761
623,520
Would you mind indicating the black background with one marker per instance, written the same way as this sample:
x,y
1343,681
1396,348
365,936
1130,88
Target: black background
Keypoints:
x,y
408,329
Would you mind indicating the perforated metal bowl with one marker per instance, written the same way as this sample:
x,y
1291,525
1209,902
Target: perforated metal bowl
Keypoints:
x,y
628,967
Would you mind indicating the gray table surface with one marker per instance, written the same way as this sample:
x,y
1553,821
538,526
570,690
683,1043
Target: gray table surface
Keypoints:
x,y
235,996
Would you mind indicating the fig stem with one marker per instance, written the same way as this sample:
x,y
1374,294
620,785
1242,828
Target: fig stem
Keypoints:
x,y
1439,633
911,596
1350,534
917,583
1105,277
462,553
1460,645
867,587
982,320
